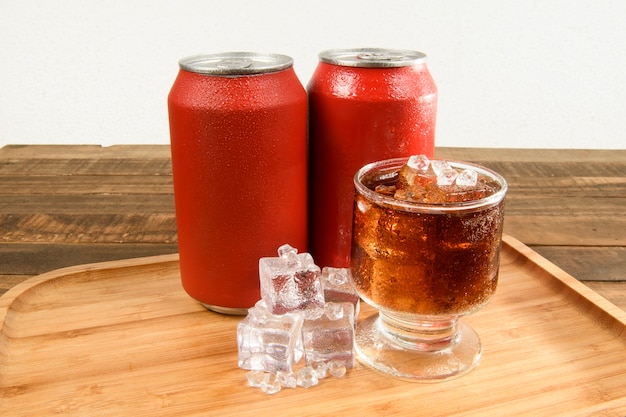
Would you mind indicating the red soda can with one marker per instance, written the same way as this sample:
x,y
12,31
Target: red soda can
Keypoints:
x,y
365,105
238,132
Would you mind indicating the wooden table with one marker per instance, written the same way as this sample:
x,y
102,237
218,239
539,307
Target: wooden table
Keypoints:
x,y
69,205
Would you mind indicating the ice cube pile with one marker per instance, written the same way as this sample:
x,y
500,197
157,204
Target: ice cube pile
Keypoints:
x,y
304,312
425,181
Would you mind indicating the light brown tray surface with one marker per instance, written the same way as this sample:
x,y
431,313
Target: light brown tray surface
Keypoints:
x,y
123,338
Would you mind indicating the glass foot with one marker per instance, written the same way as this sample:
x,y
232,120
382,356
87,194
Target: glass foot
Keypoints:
x,y
378,348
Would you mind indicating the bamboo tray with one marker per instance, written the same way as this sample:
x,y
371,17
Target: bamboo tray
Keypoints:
x,y
123,339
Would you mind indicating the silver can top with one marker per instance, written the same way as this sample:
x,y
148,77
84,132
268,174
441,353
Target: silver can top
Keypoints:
x,y
372,57
235,63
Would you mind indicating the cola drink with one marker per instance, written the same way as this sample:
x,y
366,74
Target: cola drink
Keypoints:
x,y
422,245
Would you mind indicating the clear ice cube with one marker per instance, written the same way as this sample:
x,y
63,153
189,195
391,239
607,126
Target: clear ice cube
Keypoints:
x,y
330,337
467,178
307,378
291,283
287,379
336,369
334,311
446,176
289,254
259,314
320,368
271,384
418,162
256,378
337,286
415,178
439,165
271,344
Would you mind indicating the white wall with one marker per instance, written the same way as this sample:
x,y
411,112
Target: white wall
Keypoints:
x,y
531,73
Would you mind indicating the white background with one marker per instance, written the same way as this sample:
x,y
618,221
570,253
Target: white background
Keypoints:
x,y
530,74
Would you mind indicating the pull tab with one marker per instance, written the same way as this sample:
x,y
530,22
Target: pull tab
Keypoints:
x,y
380,56
234,63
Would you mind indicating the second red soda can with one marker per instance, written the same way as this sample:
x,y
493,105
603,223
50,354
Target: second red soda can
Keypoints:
x,y
238,130
365,105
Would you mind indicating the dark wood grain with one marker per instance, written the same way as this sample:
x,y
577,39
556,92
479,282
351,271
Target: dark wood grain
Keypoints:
x,y
64,205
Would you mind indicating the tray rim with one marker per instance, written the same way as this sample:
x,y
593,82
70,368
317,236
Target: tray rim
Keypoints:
x,y
13,293
565,279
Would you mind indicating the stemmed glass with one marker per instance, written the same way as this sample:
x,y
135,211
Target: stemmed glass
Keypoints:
x,y
424,263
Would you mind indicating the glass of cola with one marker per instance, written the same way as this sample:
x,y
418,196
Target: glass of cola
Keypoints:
x,y
425,251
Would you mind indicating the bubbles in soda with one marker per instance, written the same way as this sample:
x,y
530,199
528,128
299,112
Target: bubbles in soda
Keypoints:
x,y
426,261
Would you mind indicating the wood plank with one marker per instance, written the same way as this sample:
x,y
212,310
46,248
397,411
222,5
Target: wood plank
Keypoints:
x,y
59,229
85,152
553,206
9,281
551,170
34,259
88,228
553,229
85,184
588,263
78,166
572,187
163,151
87,204
85,159
612,291
531,155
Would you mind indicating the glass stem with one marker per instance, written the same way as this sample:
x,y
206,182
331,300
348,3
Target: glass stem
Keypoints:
x,y
421,334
